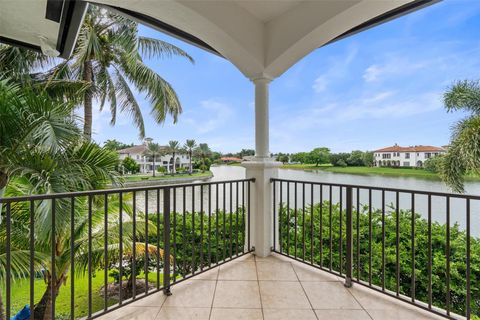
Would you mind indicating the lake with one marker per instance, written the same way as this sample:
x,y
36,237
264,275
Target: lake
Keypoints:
x,y
221,173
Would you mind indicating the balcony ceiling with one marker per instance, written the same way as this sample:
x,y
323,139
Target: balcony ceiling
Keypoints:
x,y
265,38
262,38
23,22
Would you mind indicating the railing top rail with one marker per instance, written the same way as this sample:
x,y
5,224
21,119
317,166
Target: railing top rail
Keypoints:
x,y
431,193
113,191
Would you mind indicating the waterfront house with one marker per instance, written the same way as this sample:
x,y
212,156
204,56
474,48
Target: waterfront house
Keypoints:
x,y
412,156
165,159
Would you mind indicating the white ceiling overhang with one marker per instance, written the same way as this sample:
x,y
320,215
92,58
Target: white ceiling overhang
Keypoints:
x,y
264,37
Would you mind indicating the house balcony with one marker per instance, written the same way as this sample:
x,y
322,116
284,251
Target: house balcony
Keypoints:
x,y
195,251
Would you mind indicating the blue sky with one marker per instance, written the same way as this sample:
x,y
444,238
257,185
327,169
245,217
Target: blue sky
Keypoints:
x,y
371,90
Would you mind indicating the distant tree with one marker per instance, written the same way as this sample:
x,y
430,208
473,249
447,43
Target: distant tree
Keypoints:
x,y
173,148
368,159
246,152
341,163
463,155
355,159
299,157
282,157
153,150
115,145
203,152
190,146
130,165
336,157
318,156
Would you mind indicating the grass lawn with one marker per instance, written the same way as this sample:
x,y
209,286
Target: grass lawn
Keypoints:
x,y
386,171
136,178
21,294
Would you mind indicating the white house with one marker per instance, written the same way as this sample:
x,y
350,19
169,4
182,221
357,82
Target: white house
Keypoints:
x,y
413,156
137,153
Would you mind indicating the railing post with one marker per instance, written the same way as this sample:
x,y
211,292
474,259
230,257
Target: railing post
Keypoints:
x,y
166,242
349,231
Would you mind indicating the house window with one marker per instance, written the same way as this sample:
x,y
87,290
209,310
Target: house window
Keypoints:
x,y
386,156
406,164
138,157
428,155
407,155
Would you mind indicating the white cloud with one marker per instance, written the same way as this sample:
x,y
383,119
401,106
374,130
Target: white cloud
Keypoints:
x,y
393,66
338,68
372,73
212,115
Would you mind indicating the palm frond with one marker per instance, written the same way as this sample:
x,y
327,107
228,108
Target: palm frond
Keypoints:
x,y
155,48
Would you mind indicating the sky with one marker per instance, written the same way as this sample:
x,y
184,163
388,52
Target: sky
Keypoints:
x,y
371,90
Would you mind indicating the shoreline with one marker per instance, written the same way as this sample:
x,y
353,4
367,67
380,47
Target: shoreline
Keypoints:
x,y
168,180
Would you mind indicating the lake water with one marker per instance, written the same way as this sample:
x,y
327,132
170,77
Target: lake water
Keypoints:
x,y
225,173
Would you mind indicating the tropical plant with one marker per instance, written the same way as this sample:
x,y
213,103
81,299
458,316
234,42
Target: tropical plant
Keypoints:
x,y
130,165
203,152
109,57
463,155
190,146
173,148
114,145
153,150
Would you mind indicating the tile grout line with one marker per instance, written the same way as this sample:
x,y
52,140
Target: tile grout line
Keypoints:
x,y
358,301
305,292
258,284
214,292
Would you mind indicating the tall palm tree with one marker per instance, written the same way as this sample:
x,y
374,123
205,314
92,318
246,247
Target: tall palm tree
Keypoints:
x,y
153,150
203,151
463,154
173,148
109,57
190,146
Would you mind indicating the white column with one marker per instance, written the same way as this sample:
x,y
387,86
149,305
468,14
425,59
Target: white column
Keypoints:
x,y
262,168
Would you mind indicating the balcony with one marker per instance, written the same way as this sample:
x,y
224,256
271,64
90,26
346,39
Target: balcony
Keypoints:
x,y
189,251
272,288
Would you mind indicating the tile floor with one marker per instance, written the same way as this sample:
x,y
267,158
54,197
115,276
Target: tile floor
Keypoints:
x,y
272,288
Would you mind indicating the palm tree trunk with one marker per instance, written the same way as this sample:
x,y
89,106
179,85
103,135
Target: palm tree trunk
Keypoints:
x,y
174,170
43,309
190,156
154,169
3,186
88,97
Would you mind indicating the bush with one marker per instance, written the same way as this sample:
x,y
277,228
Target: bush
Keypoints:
x,y
130,165
434,164
181,170
341,163
161,169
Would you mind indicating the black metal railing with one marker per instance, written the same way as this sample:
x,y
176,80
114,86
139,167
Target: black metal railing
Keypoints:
x,y
102,249
417,246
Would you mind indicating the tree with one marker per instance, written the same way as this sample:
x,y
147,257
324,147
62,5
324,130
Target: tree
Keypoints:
x,y
245,153
355,159
282,157
318,156
434,164
336,157
299,157
115,145
190,146
41,152
463,155
130,165
173,148
203,151
368,159
108,58
153,150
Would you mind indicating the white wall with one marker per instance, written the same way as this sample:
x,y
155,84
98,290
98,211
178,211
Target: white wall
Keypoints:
x,y
402,157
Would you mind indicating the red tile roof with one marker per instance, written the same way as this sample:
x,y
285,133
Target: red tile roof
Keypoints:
x,y
397,148
230,159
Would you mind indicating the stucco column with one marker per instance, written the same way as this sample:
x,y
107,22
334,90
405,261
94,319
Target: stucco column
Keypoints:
x,y
262,168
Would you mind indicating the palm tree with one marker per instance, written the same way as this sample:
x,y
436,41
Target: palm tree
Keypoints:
x,y
463,154
190,146
203,151
153,150
108,57
173,148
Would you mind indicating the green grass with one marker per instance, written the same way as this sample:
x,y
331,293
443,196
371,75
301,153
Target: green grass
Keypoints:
x,y
21,294
136,178
384,171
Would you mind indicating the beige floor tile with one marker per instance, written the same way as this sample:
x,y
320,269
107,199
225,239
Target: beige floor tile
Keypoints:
x,y
342,315
273,258
132,313
370,299
207,275
329,295
237,294
283,295
236,314
308,273
153,300
276,271
288,314
182,313
194,293
238,271
246,257
401,314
